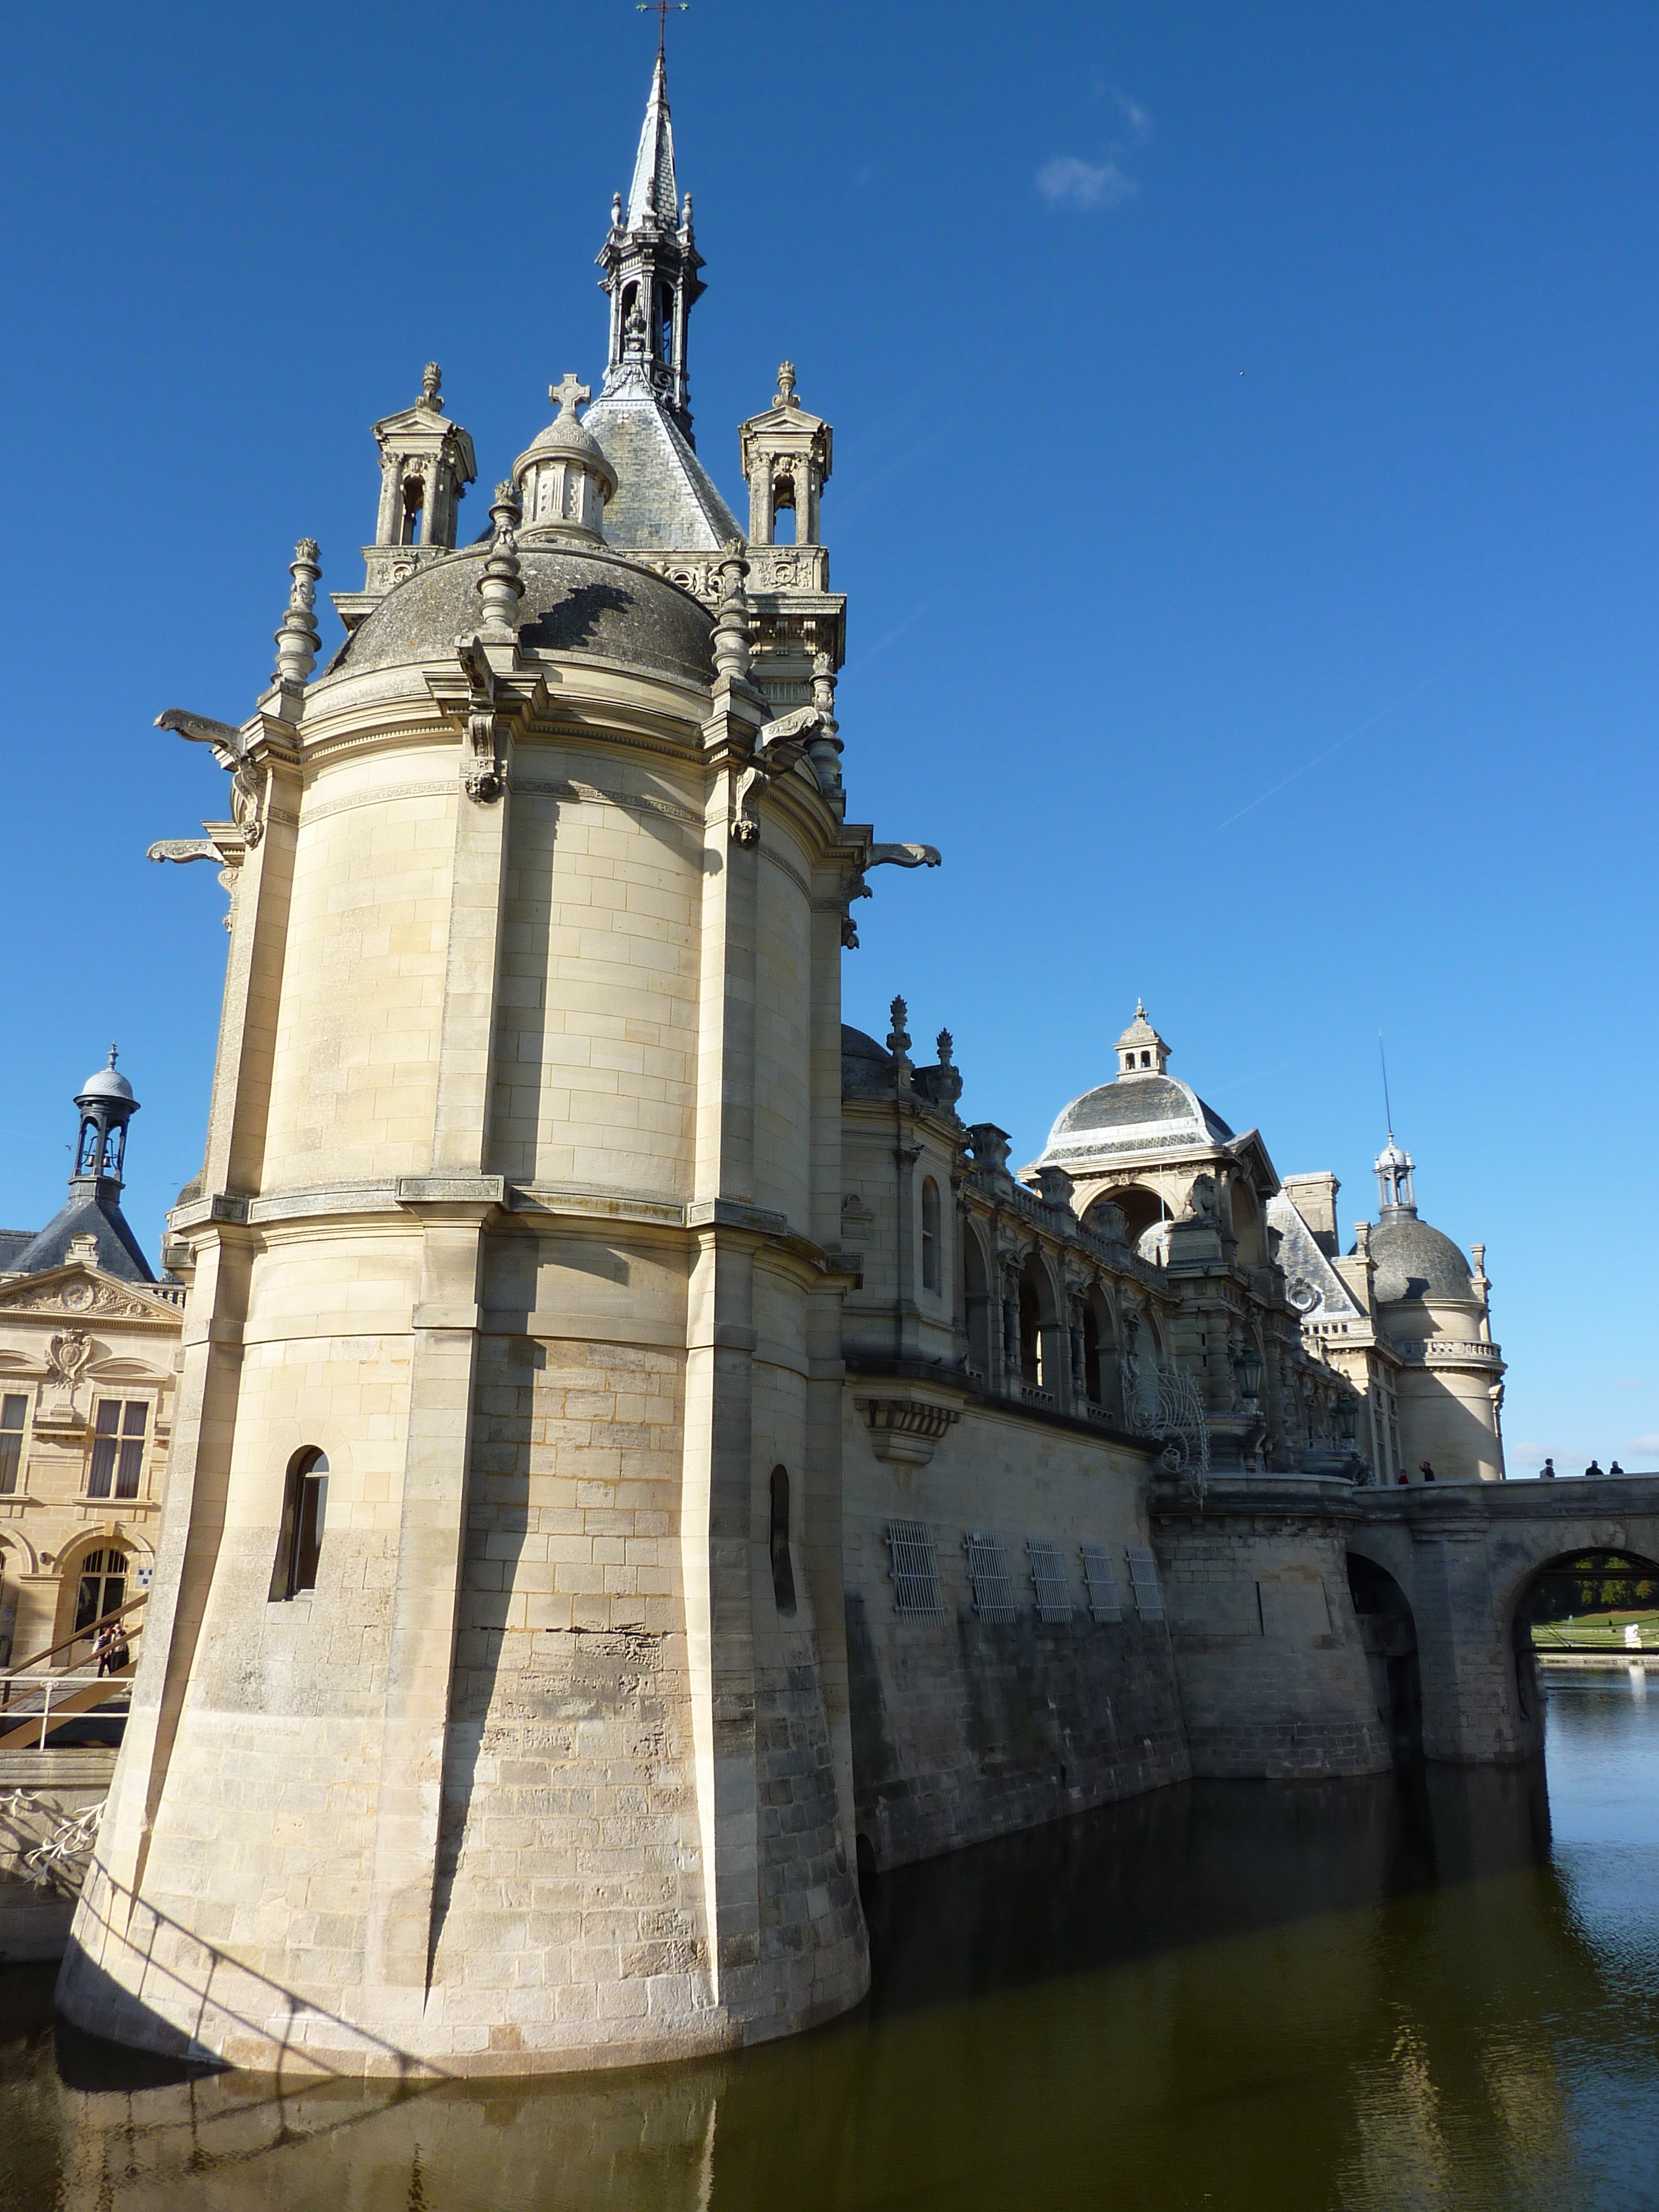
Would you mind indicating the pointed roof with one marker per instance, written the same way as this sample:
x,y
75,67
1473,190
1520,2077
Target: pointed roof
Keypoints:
x,y
653,196
666,500
93,1210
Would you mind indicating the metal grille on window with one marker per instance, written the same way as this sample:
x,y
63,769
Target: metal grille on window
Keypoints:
x,y
1054,1598
915,1576
1104,1603
12,1410
1143,1581
988,1570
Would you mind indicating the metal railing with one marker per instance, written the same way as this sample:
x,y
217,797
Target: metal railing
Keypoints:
x,y
38,1697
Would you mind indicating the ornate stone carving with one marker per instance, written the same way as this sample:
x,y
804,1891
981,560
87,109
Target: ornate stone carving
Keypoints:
x,y
906,1429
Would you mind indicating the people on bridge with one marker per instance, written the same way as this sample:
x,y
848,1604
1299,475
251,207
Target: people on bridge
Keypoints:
x,y
1615,1468
1546,1473
1425,1471
1402,1479
1592,1469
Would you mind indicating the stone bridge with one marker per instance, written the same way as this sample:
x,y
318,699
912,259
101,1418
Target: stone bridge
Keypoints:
x,y
1321,1630
1465,1555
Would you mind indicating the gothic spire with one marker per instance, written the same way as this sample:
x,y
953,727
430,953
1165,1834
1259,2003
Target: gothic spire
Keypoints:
x,y
654,195
650,264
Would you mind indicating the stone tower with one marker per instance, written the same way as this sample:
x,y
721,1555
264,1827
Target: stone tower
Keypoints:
x,y
477,1726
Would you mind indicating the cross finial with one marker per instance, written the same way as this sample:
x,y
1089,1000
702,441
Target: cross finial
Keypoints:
x,y
659,9
569,394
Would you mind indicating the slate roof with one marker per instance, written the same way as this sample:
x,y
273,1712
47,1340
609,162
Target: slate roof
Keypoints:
x,y
1416,1262
86,1213
12,1242
665,499
1133,1112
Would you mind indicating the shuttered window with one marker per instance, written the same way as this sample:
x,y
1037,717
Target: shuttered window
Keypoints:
x,y
1054,1598
1143,1581
1104,1603
916,1573
987,1572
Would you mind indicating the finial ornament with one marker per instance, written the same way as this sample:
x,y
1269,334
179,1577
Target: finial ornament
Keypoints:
x,y
431,385
501,586
567,395
898,1044
297,641
731,643
787,385
945,1045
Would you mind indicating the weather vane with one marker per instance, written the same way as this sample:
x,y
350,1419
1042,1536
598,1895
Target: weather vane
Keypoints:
x,y
659,9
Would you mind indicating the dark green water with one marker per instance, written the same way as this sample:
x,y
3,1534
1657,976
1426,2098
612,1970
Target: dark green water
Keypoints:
x,y
1440,1993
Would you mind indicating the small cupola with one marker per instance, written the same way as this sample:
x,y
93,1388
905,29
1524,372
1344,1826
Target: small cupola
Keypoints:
x,y
1141,1049
1396,1188
107,1105
786,456
564,479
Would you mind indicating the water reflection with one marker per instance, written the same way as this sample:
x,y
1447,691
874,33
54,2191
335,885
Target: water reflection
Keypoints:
x,y
1348,1995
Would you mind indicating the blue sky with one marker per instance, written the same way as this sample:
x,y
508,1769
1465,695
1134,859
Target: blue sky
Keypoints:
x,y
1247,482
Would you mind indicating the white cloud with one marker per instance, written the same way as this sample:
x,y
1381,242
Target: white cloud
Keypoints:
x,y
1134,115
1648,1444
1067,182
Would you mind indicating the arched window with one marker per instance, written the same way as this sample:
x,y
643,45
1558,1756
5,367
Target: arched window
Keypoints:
x,y
930,1276
976,1295
103,1587
299,1541
783,1572
1037,1316
414,499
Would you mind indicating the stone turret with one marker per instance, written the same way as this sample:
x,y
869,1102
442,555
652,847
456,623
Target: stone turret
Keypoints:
x,y
427,463
787,455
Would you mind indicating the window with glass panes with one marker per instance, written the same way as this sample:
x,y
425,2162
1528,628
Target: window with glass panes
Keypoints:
x,y
118,1450
13,1409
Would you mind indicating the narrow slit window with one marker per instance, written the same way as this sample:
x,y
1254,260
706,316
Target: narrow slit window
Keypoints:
x,y
299,1541
915,1572
988,1570
1054,1598
783,1571
1143,1581
1100,1583
13,1409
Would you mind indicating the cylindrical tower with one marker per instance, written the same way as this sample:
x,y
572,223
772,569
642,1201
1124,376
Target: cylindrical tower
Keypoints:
x,y
474,1730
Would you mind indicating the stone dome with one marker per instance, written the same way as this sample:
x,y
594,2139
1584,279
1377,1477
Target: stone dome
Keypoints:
x,y
574,602
1131,1113
1416,1262
865,1065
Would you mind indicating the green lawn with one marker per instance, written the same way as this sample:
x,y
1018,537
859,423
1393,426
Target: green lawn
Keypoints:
x,y
1602,1631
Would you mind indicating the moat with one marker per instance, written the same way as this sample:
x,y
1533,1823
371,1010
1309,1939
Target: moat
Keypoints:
x,y
1443,1992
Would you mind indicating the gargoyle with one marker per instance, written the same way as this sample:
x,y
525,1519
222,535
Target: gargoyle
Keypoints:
x,y
246,794
881,856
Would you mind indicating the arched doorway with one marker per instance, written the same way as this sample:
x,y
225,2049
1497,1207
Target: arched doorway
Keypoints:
x,y
1388,1632
976,1297
102,1586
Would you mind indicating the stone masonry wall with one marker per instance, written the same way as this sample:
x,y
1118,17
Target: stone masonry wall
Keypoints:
x,y
1274,1680
964,1728
570,1869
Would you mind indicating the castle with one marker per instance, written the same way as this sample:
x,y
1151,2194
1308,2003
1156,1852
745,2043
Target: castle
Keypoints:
x,y
639,1457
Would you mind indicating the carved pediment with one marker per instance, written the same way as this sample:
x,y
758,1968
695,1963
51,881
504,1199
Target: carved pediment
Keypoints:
x,y
82,1291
